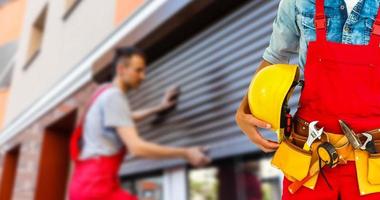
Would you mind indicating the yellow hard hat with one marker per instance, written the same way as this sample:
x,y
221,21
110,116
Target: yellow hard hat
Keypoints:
x,y
269,92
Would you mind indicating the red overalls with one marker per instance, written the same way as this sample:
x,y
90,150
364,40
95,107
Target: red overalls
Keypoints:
x,y
341,82
95,178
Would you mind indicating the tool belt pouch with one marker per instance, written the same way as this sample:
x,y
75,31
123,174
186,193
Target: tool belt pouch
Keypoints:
x,y
292,160
374,166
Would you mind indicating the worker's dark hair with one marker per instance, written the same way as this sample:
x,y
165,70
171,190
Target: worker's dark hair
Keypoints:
x,y
125,52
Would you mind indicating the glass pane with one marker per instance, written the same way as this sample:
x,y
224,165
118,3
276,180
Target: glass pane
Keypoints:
x,y
150,188
203,184
236,179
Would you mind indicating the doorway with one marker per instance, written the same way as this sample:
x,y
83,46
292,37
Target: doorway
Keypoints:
x,y
9,173
55,165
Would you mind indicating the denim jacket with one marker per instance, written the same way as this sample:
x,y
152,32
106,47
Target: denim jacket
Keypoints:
x,y
294,27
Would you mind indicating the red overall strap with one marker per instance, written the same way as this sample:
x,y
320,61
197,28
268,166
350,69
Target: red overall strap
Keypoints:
x,y
375,36
320,20
78,131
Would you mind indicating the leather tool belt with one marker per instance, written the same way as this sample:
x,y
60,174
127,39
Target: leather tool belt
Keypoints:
x,y
303,167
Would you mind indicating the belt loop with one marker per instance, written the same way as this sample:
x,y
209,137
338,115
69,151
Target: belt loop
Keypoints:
x,y
320,22
375,34
376,27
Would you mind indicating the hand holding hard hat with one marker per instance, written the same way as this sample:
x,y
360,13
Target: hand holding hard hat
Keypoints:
x,y
268,96
265,105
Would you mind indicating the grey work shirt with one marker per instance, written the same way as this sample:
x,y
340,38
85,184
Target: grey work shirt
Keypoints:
x,y
110,109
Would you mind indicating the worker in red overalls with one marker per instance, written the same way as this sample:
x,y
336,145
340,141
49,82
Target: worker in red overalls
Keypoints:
x,y
337,42
107,132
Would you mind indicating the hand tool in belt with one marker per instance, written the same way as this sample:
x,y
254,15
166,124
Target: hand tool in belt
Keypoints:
x,y
313,135
326,151
301,126
369,144
314,169
354,140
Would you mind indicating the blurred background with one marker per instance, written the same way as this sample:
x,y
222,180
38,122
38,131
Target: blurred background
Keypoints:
x,y
53,53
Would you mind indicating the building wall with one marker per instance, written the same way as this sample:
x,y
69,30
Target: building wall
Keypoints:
x,y
64,44
31,141
13,10
3,104
12,15
125,8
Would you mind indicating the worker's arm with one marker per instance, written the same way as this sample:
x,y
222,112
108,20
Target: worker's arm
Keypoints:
x,y
285,38
249,124
142,148
263,64
141,114
167,102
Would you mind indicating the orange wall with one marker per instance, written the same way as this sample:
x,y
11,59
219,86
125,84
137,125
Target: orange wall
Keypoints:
x,y
124,8
11,20
3,104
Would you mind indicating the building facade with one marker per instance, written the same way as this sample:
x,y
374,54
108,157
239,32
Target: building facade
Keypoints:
x,y
9,40
210,49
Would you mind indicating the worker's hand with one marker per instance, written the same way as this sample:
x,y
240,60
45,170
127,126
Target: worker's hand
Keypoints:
x,y
170,98
249,125
197,156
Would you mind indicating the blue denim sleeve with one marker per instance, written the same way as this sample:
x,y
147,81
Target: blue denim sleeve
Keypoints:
x,y
285,37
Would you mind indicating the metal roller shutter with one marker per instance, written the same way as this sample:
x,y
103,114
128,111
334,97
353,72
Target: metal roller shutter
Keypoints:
x,y
213,71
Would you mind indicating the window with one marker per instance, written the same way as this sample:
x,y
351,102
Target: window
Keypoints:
x,y
149,187
70,6
36,36
69,3
235,178
203,183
